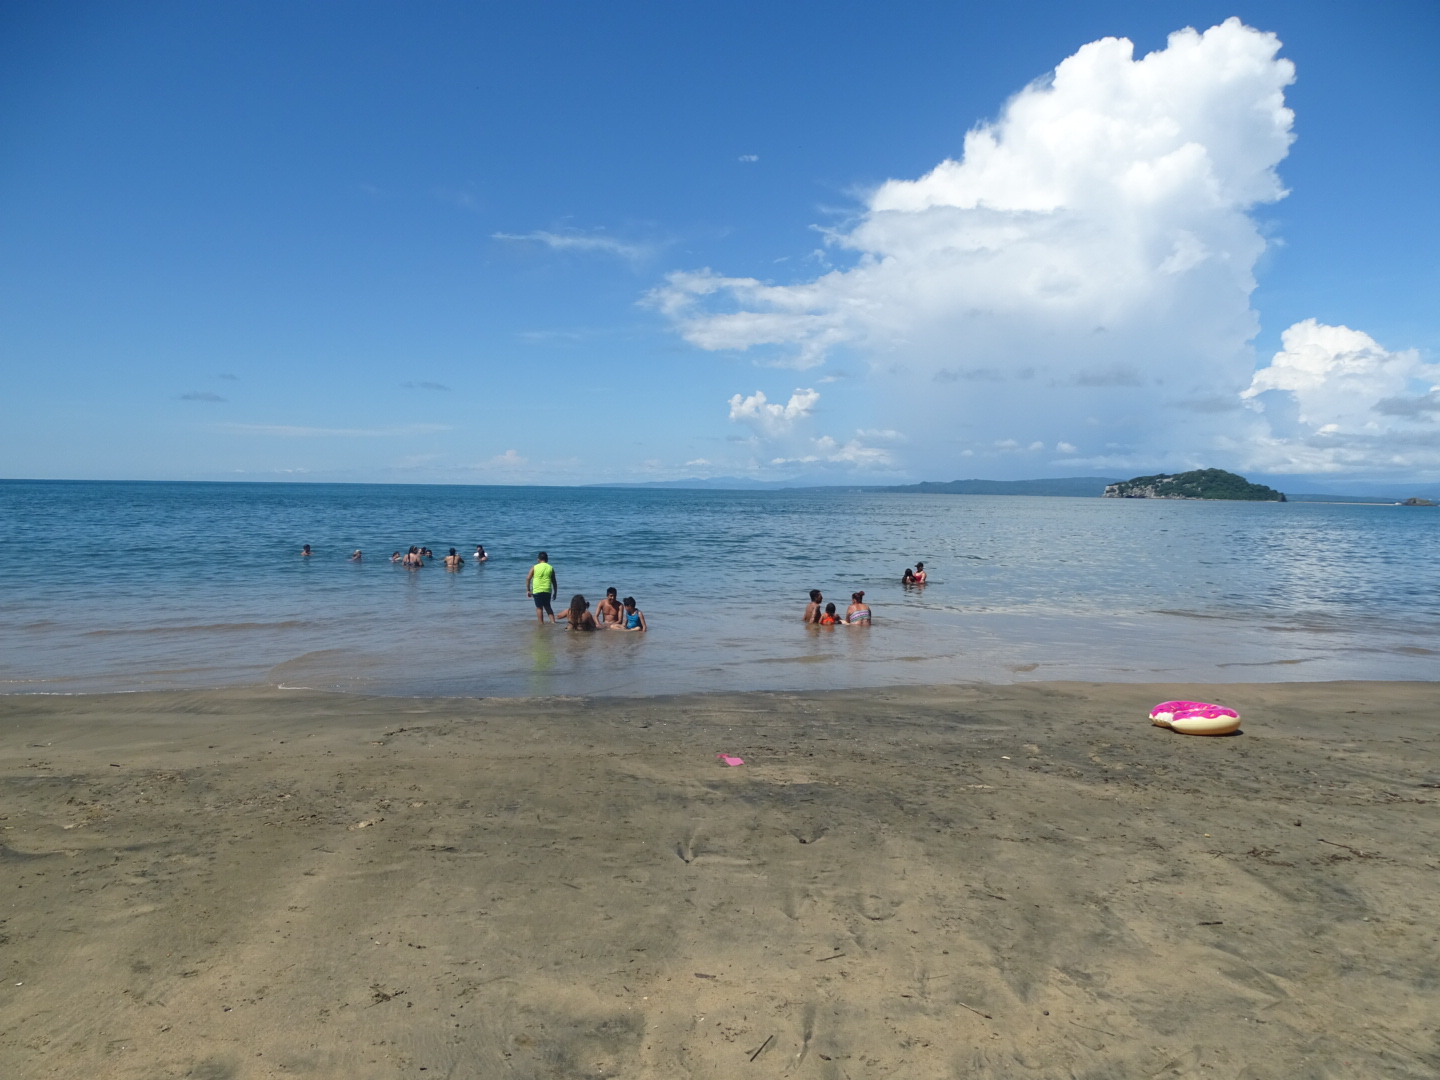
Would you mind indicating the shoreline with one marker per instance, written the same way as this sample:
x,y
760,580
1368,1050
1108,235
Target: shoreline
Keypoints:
x,y
995,879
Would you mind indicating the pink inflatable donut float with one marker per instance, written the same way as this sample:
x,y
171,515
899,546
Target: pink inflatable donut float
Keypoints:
x,y
1195,718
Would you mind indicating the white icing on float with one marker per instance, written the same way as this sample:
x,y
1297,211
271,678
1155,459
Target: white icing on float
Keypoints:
x,y
1195,718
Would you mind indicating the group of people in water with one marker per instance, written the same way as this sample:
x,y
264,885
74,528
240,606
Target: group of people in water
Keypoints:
x,y
542,585
415,558
858,613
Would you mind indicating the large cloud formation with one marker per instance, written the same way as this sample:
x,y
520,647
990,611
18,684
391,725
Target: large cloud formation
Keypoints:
x,y
1334,400
1074,290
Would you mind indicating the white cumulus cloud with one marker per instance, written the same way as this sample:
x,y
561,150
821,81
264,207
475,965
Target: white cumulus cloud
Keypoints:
x,y
771,418
1334,400
1081,272
580,241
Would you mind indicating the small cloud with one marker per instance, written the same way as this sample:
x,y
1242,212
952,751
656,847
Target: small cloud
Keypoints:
x,y
698,461
1065,448
772,417
749,157
228,377
424,386
578,241
1037,445
1007,444
202,395
509,459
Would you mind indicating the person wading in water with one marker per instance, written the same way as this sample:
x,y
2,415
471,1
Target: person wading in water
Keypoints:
x,y
541,584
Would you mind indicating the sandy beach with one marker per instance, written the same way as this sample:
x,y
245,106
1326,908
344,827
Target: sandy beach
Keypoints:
x,y
987,881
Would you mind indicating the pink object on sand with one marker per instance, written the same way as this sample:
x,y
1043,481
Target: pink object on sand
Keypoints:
x,y
728,760
1184,710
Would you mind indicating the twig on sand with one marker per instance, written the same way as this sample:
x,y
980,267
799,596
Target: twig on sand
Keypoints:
x,y
977,1012
1353,850
1102,1031
835,957
768,1040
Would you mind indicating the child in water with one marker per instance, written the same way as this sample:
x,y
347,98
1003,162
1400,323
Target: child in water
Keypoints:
x,y
829,618
631,617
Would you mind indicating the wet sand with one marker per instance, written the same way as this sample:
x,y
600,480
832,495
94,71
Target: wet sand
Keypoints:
x,y
987,881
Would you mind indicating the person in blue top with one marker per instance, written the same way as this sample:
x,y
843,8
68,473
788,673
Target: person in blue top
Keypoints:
x,y
631,617
541,583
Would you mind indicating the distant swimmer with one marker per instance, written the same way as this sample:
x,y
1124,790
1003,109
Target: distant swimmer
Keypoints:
x,y
631,618
305,551
577,615
426,553
395,556
608,610
919,573
858,613
829,618
540,584
412,558
480,555
812,610
453,561
355,556
908,577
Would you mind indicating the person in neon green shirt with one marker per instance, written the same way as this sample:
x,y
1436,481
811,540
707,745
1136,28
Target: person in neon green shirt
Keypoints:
x,y
542,584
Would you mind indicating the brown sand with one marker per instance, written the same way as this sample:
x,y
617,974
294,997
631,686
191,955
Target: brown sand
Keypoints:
x,y
1017,881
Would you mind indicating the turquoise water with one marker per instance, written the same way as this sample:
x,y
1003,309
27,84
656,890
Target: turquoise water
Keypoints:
x,y
123,586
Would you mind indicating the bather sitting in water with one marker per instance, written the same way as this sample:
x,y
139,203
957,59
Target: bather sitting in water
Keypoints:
x,y
829,618
608,610
812,609
858,613
631,617
577,615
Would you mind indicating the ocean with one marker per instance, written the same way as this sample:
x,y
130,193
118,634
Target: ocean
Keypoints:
x,y
109,586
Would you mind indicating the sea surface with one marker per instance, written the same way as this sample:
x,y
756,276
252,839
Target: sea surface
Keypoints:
x,y
134,586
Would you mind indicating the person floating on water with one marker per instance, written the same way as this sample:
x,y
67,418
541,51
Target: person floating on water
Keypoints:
x,y
577,615
858,613
812,610
631,618
540,584
453,561
305,551
608,610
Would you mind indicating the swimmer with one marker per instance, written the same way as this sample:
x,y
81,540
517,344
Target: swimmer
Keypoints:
x,y
608,610
453,561
480,555
812,610
858,613
305,551
395,556
908,577
427,553
577,615
412,558
919,573
632,618
829,618
355,557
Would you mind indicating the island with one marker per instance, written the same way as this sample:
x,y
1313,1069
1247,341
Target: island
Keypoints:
x,y
1196,484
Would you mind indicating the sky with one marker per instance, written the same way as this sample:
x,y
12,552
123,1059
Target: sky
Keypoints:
x,y
571,243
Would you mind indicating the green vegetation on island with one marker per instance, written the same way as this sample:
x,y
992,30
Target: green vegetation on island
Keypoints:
x,y
1197,484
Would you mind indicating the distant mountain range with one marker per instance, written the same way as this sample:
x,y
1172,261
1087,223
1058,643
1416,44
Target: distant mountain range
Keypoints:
x,y
1072,486
1081,486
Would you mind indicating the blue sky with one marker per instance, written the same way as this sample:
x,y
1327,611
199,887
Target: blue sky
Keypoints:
x,y
468,243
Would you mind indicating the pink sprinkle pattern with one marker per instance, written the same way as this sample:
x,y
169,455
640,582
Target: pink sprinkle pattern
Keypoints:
x,y
1184,710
